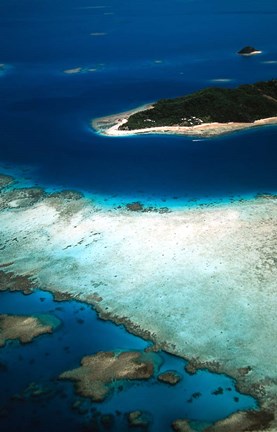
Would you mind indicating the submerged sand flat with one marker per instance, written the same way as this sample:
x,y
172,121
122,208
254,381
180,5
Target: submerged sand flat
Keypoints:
x,y
201,282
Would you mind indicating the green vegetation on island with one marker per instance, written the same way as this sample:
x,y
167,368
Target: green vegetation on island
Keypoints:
x,y
244,104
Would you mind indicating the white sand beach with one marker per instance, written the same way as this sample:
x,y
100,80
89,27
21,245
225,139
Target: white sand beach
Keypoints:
x,y
110,125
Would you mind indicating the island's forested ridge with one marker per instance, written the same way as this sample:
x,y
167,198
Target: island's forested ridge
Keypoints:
x,y
245,104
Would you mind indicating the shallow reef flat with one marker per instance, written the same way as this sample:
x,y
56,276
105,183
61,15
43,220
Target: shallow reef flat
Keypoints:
x,y
181,425
25,328
97,372
199,282
169,377
254,421
139,419
5,181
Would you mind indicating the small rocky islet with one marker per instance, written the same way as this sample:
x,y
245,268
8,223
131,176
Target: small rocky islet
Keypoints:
x,y
248,50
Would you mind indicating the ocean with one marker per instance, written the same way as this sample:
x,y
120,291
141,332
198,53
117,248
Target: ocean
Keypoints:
x,y
129,53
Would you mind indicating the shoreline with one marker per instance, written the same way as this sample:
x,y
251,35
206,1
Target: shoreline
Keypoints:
x,y
251,53
109,126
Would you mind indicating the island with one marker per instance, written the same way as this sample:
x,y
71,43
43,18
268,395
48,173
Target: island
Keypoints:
x,y
248,51
208,112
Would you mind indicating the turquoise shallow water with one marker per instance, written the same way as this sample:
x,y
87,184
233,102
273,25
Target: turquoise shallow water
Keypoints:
x,y
82,333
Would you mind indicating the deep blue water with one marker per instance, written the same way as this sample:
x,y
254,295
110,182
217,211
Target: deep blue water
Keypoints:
x,y
82,333
45,114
